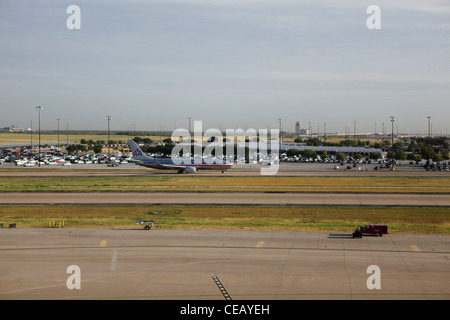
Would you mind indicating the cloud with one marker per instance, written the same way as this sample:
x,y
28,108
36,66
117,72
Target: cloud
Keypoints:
x,y
264,57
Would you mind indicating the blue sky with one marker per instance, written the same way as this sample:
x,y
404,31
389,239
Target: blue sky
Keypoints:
x,y
228,63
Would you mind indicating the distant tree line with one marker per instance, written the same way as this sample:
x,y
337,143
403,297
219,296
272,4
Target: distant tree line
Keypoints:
x,y
437,142
435,149
75,148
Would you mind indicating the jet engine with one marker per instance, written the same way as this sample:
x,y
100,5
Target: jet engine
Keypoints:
x,y
190,170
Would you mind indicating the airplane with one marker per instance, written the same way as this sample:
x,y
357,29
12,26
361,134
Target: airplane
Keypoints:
x,y
141,159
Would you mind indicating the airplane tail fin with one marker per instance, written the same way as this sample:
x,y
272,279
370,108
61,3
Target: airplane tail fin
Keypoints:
x,y
137,153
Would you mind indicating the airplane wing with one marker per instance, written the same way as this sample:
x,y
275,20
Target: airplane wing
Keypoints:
x,y
174,166
168,165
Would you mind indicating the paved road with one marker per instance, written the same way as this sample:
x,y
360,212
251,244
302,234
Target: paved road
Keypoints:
x,y
259,265
223,198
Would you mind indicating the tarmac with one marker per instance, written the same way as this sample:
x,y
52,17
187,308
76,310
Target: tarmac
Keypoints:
x,y
284,169
178,265
224,198
251,265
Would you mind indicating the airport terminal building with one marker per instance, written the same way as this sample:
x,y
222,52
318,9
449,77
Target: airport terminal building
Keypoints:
x,y
284,147
330,149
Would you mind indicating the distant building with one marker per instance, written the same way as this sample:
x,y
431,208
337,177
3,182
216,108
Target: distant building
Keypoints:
x,y
305,132
11,129
330,149
297,129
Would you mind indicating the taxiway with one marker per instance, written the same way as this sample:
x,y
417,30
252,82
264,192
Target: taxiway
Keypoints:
x,y
224,198
256,265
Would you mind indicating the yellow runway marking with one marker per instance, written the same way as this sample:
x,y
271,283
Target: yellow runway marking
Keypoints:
x,y
415,248
103,243
221,288
259,244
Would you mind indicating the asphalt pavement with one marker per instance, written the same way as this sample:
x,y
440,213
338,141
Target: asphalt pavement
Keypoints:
x,y
251,265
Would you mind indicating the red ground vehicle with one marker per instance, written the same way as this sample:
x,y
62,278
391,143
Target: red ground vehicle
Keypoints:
x,y
378,229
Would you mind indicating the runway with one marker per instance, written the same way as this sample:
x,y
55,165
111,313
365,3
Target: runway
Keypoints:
x,y
131,172
285,169
251,265
224,198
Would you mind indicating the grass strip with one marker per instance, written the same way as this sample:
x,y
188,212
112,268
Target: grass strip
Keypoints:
x,y
230,184
324,219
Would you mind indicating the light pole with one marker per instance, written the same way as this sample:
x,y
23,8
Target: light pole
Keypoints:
x,y
31,131
39,147
109,118
392,144
189,125
58,130
429,131
190,136
281,136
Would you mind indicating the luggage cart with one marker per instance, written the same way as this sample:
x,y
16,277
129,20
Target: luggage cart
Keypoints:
x,y
149,224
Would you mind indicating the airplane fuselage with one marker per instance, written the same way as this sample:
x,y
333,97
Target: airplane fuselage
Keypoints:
x,y
185,165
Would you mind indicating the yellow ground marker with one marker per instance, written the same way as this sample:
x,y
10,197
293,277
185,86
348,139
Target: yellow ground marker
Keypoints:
x,y
259,244
221,288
